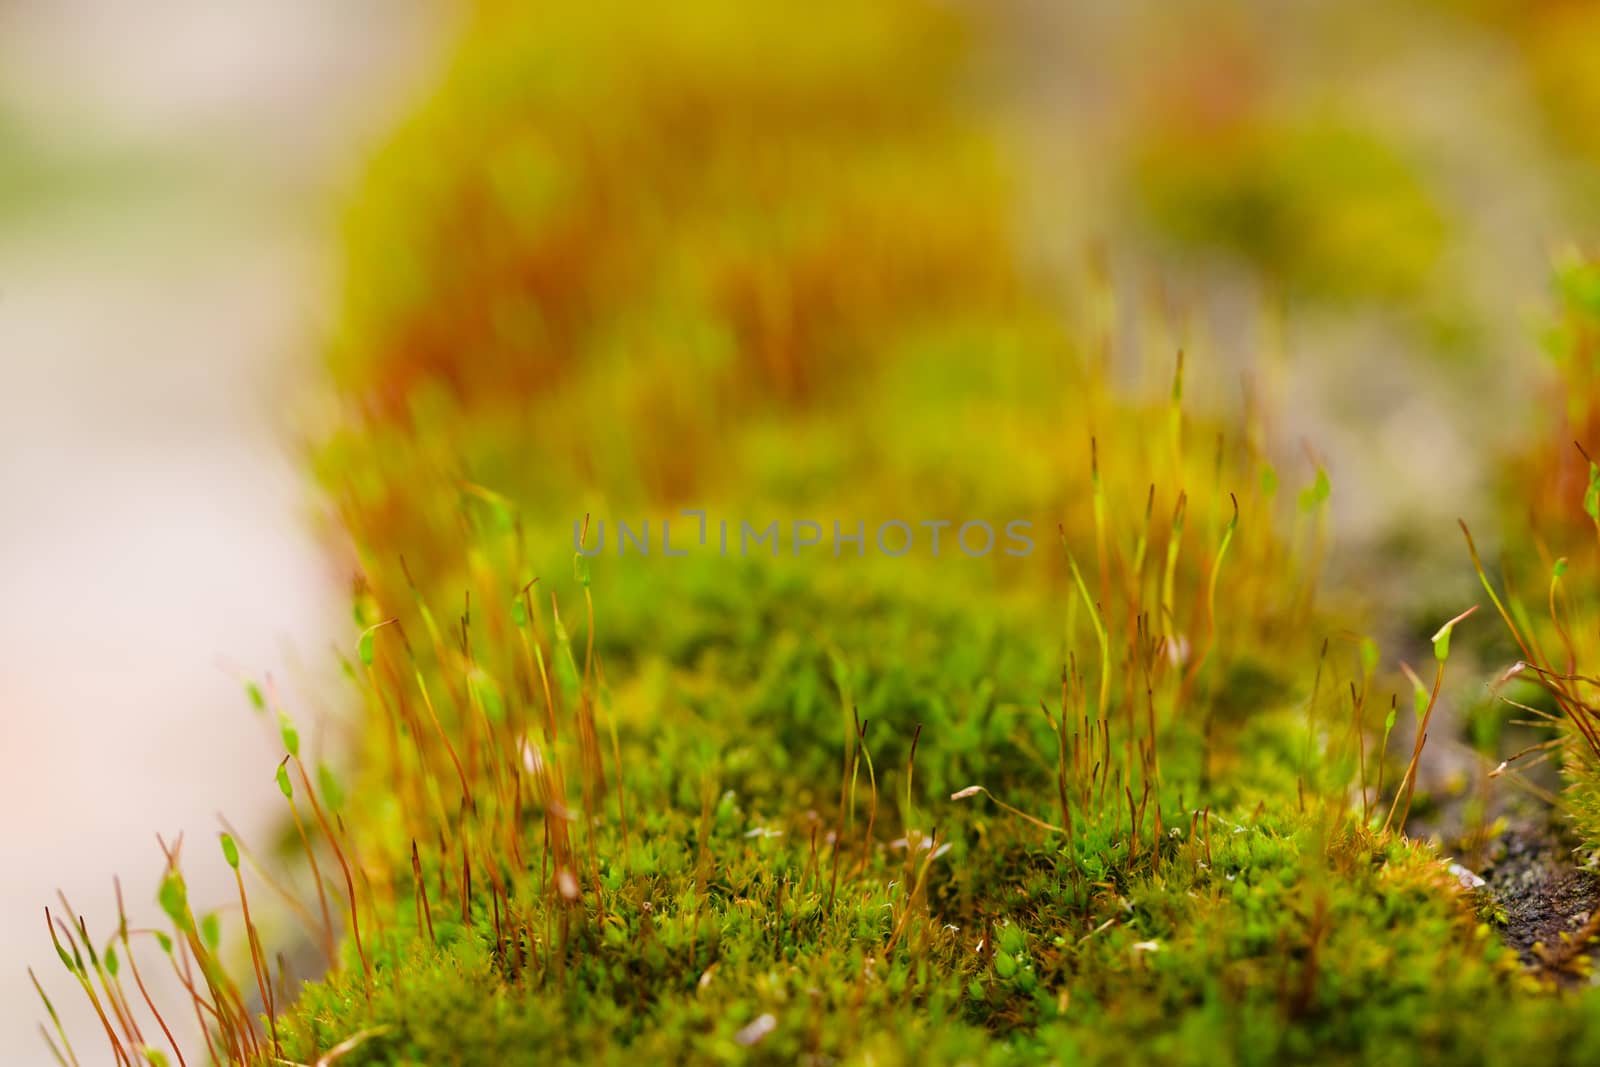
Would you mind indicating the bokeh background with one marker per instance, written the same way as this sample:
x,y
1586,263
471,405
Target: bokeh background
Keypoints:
x,y
169,188
1355,203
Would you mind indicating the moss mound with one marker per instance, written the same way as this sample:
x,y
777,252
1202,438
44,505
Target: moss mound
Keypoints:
x,y
1126,794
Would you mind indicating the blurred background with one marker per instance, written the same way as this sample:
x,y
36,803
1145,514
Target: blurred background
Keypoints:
x,y
168,202
1394,181
1357,203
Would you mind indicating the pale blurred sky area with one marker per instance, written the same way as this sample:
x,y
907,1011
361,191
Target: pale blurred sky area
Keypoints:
x,y
169,172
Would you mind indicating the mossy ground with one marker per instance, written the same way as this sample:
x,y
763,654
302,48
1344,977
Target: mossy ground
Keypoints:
x,y
1126,797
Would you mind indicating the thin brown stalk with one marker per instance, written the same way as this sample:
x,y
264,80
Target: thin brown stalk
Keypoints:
x,y
54,1019
424,910
316,876
52,924
344,867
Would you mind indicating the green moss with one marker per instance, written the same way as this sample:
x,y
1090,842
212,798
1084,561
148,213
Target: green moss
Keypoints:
x,y
1114,799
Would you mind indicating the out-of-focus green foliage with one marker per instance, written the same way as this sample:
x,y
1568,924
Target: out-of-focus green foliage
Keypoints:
x,y
1317,203
1555,42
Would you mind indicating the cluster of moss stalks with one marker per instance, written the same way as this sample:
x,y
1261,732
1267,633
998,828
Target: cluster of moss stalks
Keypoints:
x,y
1131,797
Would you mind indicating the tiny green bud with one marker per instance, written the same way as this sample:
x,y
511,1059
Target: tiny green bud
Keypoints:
x,y
1441,640
332,791
284,785
258,699
174,900
230,851
1317,492
211,930
1269,480
88,945
291,736
364,648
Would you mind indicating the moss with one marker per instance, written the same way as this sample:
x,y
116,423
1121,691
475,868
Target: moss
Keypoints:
x,y
1116,798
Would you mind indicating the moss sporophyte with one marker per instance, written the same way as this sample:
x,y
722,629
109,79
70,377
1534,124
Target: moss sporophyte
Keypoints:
x,y
1117,785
